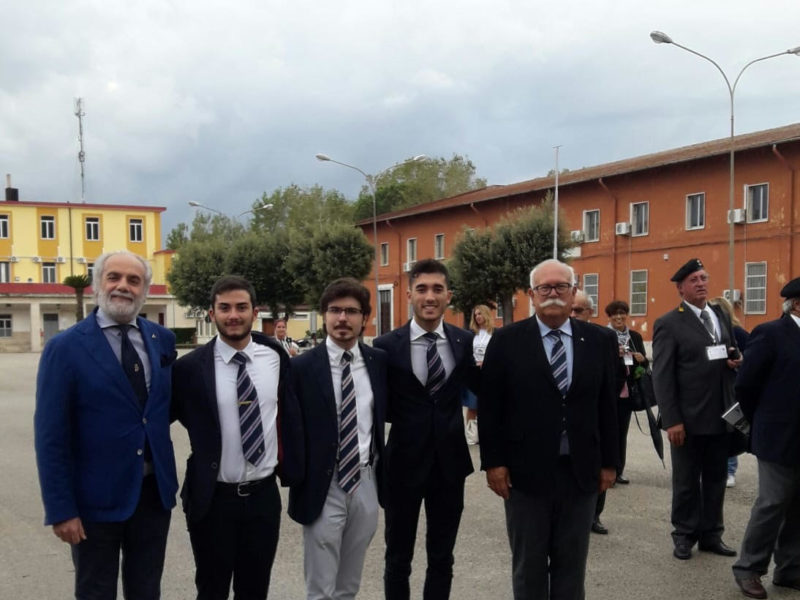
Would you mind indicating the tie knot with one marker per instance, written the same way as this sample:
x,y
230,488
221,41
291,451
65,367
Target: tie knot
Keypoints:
x,y
240,358
347,356
123,329
554,334
431,338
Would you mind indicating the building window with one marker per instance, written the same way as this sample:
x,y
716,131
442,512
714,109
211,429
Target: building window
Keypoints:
x,y
92,229
638,301
590,288
5,325
48,228
411,251
48,272
5,272
695,211
3,226
757,202
591,225
135,229
755,288
438,246
499,304
640,218
384,254
90,270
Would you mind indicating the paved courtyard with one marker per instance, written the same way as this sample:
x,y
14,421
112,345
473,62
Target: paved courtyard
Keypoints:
x,y
634,561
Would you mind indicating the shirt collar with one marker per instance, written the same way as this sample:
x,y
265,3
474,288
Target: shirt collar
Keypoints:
x,y
227,352
417,331
335,351
566,328
796,319
105,321
695,309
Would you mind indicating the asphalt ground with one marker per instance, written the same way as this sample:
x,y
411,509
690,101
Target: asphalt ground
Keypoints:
x,y
634,561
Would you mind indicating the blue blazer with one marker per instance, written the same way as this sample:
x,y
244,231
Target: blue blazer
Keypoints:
x,y
312,384
90,430
426,430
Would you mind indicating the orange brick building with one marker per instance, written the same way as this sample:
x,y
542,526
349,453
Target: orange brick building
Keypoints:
x,y
636,221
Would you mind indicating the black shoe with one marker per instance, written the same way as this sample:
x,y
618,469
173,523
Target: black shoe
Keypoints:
x,y
682,551
751,588
718,548
623,480
795,585
598,527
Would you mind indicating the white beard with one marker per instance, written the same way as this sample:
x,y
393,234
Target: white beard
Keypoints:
x,y
120,311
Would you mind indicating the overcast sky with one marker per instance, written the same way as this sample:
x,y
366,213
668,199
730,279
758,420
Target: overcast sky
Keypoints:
x,y
218,102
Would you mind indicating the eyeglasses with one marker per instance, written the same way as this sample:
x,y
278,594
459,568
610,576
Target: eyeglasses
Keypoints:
x,y
338,310
560,288
579,310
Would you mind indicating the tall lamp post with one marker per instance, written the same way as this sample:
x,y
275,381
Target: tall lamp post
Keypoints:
x,y
194,204
371,180
660,37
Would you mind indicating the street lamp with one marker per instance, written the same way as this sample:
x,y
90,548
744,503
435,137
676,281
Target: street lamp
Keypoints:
x,y
194,204
660,37
371,179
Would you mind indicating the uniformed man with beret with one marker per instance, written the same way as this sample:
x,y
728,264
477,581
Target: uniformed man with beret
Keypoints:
x,y
767,392
694,362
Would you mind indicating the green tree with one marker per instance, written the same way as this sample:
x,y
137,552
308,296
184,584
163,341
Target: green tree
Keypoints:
x,y
78,283
469,266
195,268
300,210
178,236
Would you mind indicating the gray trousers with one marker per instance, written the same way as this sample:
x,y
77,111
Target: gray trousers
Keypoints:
x,y
336,543
774,525
549,535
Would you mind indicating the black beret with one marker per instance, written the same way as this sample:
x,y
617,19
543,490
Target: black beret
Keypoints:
x,y
690,267
791,289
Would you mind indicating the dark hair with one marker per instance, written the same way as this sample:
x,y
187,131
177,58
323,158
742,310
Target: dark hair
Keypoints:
x,y
229,283
617,306
428,265
345,287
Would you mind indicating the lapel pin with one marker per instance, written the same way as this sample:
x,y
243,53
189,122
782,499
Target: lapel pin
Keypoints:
x,y
153,336
136,367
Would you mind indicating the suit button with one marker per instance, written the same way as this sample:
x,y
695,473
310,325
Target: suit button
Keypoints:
x,y
144,420
139,452
213,465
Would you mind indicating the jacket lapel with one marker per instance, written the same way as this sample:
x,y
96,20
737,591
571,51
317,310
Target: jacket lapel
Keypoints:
x,y
210,380
322,371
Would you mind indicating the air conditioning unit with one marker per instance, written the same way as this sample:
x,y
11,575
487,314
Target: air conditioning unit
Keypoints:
x,y
576,236
14,259
407,266
36,259
732,298
622,229
61,260
81,260
737,216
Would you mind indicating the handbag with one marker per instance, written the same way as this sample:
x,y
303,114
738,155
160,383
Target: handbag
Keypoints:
x,y
644,396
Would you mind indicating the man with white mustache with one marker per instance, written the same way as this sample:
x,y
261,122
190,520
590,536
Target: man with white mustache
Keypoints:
x,y
548,431
106,464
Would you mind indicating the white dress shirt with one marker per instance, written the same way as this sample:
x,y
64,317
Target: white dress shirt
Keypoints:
x,y
714,320
419,351
364,397
263,367
114,337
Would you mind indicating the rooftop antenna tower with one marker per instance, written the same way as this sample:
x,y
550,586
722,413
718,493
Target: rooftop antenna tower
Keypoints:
x,y
81,154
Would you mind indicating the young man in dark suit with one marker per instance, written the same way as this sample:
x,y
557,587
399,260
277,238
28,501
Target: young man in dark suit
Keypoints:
x,y
341,388
766,389
231,396
694,362
427,458
548,429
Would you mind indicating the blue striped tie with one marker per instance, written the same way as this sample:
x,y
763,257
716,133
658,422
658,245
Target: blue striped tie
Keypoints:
x,y
249,414
349,464
436,372
558,361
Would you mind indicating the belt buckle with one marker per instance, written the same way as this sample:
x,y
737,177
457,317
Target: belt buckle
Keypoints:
x,y
242,489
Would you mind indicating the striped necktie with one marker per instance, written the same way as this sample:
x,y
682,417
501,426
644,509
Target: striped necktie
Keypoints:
x,y
249,414
349,474
558,361
436,372
706,319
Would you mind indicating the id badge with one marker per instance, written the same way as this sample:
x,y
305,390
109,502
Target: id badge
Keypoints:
x,y
628,359
717,352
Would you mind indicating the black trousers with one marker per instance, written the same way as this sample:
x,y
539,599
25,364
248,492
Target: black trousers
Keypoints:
x,y
142,539
699,473
237,539
444,503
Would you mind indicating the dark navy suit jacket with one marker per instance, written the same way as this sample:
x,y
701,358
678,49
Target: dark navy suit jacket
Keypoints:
x,y
312,385
90,429
194,404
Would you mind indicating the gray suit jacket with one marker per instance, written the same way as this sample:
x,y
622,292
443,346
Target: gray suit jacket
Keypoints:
x,y
691,389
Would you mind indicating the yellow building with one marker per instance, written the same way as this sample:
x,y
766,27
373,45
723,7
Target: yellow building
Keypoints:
x,y
41,243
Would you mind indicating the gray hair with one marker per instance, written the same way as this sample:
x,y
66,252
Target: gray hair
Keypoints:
x,y
587,297
551,262
100,264
787,305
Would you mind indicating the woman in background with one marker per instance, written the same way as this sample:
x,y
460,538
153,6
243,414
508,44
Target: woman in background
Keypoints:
x,y
482,325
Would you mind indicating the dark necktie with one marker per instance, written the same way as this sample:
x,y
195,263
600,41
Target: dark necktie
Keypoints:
x,y
349,463
558,361
706,318
436,372
249,414
132,365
